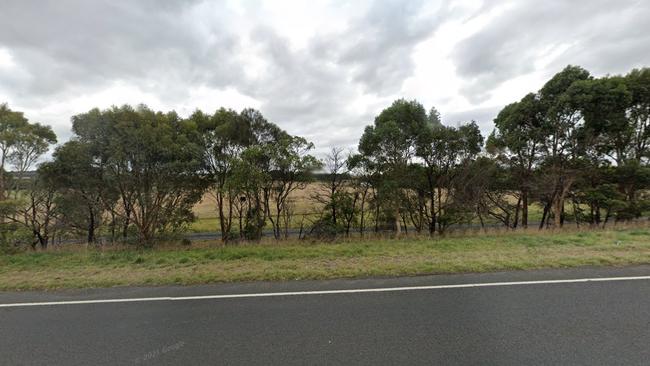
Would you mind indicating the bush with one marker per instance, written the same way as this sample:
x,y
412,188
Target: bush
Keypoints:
x,y
14,238
324,230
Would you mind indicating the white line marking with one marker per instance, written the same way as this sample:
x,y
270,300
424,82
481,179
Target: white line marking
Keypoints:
x,y
323,292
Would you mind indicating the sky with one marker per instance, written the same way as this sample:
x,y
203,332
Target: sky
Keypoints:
x,y
319,69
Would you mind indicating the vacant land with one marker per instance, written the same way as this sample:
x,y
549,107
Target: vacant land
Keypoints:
x,y
307,210
78,267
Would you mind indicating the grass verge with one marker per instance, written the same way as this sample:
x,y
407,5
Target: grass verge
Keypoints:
x,y
77,267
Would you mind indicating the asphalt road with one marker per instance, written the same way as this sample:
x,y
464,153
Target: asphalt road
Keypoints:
x,y
576,323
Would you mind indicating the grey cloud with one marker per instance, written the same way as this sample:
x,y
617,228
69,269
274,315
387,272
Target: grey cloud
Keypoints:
x,y
604,35
617,41
378,46
71,46
309,90
302,94
482,116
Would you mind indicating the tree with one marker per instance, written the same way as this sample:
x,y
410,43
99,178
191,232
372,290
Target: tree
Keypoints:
x,y
10,125
152,160
253,166
390,145
364,179
335,170
75,174
516,143
446,151
336,196
564,142
433,118
21,144
223,137
615,113
36,210
603,106
250,177
291,166
638,84
633,178
484,187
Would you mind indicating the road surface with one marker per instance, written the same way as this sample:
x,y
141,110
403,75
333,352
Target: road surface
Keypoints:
x,y
515,318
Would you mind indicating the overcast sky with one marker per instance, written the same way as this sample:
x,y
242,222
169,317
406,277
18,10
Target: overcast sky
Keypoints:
x,y
320,69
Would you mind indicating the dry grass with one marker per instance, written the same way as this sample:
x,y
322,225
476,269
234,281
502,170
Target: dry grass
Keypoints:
x,y
306,209
207,262
303,205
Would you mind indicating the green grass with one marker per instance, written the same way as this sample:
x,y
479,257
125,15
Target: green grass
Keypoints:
x,y
78,267
211,224
205,224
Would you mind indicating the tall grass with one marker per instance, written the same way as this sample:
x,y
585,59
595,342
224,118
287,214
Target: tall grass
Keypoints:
x,y
205,262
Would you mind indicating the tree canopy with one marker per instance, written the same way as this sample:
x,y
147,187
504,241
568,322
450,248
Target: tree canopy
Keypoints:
x,y
576,150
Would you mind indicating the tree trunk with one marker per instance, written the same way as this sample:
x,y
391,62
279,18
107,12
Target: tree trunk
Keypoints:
x,y
439,208
544,215
91,226
376,217
517,208
398,229
127,222
2,175
432,197
575,213
363,203
524,208
558,205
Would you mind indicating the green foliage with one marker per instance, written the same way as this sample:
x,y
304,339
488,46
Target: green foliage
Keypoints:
x,y
576,150
252,166
151,159
21,145
391,141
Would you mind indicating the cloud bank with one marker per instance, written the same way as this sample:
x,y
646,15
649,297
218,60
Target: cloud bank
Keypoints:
x,y
321,69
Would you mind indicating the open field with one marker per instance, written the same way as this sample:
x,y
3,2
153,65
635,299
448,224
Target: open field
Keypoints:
x,y
75,267
307,210
304,207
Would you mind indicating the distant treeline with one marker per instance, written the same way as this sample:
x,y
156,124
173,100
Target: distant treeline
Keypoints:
x,y
577,149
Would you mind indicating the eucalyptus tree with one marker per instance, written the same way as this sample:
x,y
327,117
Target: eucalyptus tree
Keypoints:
x,y
433,118
35,211
603,104
564,143
487,186
152,159
291,167
250,179
331,190
223,137
364,180
516,143
634,176
615,110
390,146
95,129
22,144
252,168
607,138
446,152
82,192
638,84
